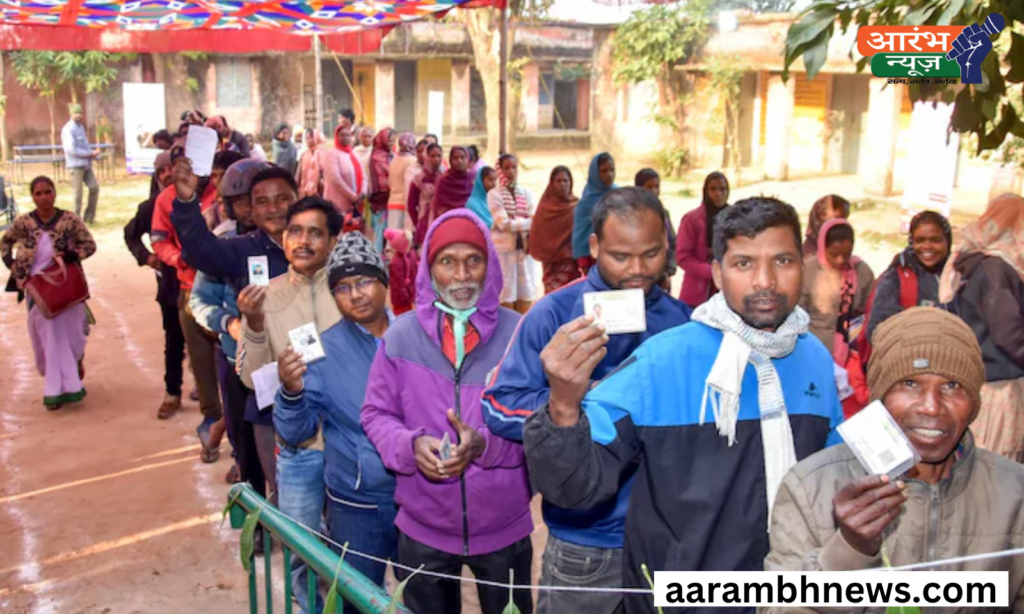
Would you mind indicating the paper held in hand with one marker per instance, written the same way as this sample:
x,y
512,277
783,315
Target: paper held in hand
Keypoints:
x,y
200,147
621,311
306,342
259,271
878,442
267,383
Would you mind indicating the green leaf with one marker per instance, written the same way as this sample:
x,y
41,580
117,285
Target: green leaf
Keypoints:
x,y
248,539
817,53
650,581
863,17
919,15
397,597
1015,58
951,11
227,508
809,28
331,602
903,610
845,16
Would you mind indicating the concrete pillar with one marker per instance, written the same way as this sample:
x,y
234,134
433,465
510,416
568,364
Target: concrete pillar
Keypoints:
x,y
759,111
778,126
384,94
583,104
460,97
883,117
531,96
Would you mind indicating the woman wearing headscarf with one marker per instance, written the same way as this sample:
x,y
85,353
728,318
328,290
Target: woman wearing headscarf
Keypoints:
x,y
693,241
451,191
600,180
397,186
299,139
343,176
310,175
824,209
486,180
551,235
33,243
512,210
364,147
284,152
985,282
913,277
421,191
379,186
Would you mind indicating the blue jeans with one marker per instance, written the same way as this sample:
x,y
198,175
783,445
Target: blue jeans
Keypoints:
x,y
300,480
366,529
568,564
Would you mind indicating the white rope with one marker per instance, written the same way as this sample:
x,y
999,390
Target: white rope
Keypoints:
x,y
631,591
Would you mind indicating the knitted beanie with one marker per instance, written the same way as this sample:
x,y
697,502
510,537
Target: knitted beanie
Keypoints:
x,y
399,239
926,340
452,230
354,255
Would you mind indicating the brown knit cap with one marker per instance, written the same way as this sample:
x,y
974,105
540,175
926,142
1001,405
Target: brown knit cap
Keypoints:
x,y
926,340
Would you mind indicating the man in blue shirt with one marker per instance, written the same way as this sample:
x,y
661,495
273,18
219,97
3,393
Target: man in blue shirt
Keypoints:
x,y
709,415
584,547
329,394
78,158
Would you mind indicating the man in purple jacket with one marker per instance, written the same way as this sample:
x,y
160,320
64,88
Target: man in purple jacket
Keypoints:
x,y
467,503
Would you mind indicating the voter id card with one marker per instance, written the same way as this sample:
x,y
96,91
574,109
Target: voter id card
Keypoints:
x,y
259,271
306,342
878,442
446,447
621,311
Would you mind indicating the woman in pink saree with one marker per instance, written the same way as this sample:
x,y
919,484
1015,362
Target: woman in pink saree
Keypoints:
x,y
35,241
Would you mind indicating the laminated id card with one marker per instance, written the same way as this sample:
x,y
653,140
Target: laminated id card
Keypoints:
x,y
878,442
621,311
306,342
259,271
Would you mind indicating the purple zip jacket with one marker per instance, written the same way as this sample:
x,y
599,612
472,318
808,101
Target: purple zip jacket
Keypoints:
x,y
412,384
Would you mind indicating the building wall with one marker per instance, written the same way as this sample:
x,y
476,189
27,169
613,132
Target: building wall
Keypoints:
x,y
364,84
433,75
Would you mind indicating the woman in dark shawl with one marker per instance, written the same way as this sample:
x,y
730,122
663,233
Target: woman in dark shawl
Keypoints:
x,y
284,152
551,233
452,190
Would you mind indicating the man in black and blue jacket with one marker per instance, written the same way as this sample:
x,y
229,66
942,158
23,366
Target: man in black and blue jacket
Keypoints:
x,y
629,246
702,492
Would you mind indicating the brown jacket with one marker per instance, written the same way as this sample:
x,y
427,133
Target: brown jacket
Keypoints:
x,y
976,510
820,297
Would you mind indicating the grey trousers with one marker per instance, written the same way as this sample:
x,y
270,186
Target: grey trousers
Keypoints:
x,y
568,564
86,176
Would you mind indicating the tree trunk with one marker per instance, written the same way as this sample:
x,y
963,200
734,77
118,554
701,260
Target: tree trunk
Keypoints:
x,y
483,26
51,102
3,110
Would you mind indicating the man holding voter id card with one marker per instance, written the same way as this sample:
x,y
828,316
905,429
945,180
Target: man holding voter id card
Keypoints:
x,y
710,415
930,493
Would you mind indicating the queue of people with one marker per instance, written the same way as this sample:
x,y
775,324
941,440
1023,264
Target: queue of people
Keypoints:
x,y
462,370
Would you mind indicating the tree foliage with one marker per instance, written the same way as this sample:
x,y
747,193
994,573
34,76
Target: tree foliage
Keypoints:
x,y
658,36
984,109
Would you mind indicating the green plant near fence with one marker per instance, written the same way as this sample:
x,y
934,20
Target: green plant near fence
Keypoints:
x,y
247,510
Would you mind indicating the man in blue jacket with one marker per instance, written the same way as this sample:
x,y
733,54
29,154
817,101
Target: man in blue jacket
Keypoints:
x,y
629,246
329,393
746,363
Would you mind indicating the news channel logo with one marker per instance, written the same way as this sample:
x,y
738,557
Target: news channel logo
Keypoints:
x,y
932,52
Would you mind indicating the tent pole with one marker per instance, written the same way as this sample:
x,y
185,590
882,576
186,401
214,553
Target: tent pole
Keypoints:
x,y
319,84
503,84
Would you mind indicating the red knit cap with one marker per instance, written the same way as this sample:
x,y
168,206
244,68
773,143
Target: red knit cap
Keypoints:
x,y
455,230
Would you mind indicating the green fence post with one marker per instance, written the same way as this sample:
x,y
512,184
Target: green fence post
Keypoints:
x,y
254,606
311,591
267,560
287,580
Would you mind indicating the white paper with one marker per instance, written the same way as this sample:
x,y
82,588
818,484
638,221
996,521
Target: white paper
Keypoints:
x,y
621,311
306,342
267,383
842,382
200,146
878,442
259,271
435,112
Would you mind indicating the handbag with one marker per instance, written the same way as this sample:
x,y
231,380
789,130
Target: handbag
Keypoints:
x,y
57,288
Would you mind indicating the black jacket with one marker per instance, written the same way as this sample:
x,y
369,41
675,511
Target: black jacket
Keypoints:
x,y
167,278
886,302
990,301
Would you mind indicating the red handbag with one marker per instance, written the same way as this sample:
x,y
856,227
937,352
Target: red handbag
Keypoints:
x,y
57,288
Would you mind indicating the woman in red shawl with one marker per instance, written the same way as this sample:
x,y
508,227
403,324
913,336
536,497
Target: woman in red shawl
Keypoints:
x,y
551,233
421,191
379,189
451,191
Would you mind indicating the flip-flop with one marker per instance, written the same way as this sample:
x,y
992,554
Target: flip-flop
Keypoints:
x,y
209,455
233,476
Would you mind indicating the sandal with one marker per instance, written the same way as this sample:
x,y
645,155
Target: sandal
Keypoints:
x,y
233,476
53,406
207,455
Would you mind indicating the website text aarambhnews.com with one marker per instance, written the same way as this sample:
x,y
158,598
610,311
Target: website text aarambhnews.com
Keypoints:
x,y
831,588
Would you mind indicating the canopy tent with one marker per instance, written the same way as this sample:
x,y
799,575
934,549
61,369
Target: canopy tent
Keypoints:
x,y
350,27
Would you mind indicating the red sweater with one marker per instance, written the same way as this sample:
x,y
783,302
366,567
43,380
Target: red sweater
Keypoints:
x,y
165,240
402,272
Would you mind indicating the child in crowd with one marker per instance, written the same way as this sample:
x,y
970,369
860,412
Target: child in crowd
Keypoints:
x,y
401,269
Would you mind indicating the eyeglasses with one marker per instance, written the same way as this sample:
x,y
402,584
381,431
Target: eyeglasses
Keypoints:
x,y
361,286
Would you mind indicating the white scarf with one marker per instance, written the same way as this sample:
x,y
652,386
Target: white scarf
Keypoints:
x,y
744,344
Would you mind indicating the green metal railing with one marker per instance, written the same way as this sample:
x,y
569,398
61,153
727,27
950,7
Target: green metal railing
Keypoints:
x,y
352,586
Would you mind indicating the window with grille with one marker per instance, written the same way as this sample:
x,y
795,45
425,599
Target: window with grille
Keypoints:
x,y
234,83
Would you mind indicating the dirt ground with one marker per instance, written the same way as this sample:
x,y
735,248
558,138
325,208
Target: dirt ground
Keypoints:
x,y
105,510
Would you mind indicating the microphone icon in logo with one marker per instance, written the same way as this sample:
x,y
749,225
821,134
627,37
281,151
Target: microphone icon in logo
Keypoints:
x,y
972,45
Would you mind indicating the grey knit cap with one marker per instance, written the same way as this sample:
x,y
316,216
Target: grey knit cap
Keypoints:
x,y
353,255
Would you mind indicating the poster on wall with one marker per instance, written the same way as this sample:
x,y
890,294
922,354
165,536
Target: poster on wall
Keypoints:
x,y
435,113
144,116
931,162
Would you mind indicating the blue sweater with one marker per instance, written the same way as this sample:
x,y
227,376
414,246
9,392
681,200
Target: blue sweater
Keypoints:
x,y
333,394
224,258
520,387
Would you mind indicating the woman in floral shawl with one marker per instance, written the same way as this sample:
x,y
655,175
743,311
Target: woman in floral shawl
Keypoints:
x,y
35,241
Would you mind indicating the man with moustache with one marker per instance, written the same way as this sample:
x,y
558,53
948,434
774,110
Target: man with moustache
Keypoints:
x,y
703,491
629,248
360,491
